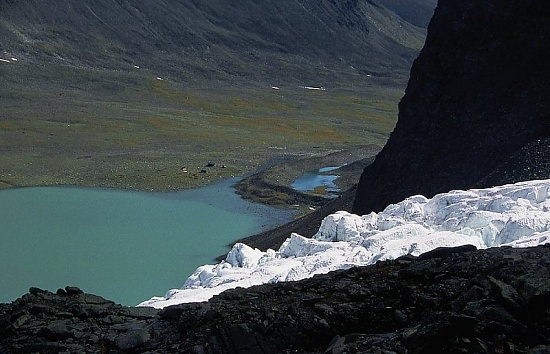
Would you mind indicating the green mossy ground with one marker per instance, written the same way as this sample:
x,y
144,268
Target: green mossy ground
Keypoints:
x,y
78,126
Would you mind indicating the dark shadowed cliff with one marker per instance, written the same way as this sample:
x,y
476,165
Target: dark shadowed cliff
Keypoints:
x,y
476,106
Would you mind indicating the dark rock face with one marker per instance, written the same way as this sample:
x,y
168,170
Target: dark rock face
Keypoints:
x,y
75,322
477,96
531,162
448,300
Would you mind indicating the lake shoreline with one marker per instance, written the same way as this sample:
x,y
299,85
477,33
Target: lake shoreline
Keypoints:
x,y
264,180
273,230
313,208
100,239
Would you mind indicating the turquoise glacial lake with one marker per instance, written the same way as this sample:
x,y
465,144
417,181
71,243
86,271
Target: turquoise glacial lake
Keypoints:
x,y
123,245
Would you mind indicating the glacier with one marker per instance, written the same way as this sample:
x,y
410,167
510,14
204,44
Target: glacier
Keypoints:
x,y
515,215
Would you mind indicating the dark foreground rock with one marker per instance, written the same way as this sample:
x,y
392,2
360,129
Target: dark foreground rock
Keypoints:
x,y
448,300
72,321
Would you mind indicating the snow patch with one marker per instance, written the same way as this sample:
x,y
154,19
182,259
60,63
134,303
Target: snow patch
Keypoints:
x,y
516,215
314,88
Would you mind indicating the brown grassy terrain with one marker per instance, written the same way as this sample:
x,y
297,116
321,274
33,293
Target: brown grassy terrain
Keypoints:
x,y
131,130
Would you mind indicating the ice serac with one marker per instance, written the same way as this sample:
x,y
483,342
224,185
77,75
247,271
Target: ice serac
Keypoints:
x,y
516,215
476,105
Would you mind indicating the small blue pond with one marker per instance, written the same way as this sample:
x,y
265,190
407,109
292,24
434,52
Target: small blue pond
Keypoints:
x,y
311,180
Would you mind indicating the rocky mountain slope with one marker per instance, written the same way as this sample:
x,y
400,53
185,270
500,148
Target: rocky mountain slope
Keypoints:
x,y
476,105
220,40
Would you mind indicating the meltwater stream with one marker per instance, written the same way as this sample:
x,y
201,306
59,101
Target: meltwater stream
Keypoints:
x,y
123,245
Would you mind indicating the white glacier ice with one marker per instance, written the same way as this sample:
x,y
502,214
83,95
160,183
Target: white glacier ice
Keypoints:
x,y
516,215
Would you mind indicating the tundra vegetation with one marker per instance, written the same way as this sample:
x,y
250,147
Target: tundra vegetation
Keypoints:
x,y
130,130
170,95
